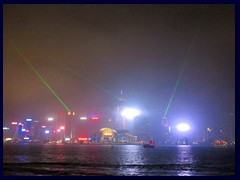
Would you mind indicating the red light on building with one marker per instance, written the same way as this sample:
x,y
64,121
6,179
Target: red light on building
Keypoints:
x,y
95,118
43,126
83,139
27,130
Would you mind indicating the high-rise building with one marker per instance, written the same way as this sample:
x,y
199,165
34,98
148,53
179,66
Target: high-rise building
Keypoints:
x,y
70,127
21,133
37,130
121,120
29,128
165,131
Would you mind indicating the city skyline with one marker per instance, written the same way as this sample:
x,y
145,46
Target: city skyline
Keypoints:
x,y
88,54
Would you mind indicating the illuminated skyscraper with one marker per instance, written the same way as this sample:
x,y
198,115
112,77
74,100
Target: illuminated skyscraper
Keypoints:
x,y
36,131
165,131
29,128
20,131
121,120
70,129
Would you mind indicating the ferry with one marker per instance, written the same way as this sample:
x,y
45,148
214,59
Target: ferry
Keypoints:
x,y
220,143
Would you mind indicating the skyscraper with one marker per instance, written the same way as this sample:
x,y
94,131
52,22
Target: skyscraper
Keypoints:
x,y
70,129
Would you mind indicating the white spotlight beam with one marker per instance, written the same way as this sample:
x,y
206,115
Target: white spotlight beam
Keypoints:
x,y
130,113
183,127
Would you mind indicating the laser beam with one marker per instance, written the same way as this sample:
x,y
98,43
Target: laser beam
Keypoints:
x,y
37,73
89,81
181,71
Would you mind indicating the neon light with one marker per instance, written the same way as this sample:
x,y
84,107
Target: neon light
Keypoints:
x,y
50,119
94,118
27,130
14,123
24,130
5,128
82,139
28,119
62,127
26,138
43,126
83,118
58,130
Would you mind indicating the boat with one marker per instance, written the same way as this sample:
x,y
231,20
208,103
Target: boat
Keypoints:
x,y
150,144
220,143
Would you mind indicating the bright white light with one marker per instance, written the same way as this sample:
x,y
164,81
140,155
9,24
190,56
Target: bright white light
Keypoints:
x,y
50,119
28,119
183,127
130,113
83,118
46,131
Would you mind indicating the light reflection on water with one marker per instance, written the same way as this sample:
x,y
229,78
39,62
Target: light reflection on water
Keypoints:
x,y
185,156
127,160
132,155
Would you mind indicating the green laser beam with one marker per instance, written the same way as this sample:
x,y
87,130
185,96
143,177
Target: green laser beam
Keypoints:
x,y
181,72
89,81
37,73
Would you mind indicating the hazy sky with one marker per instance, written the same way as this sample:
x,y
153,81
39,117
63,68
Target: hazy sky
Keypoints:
x,y
82,49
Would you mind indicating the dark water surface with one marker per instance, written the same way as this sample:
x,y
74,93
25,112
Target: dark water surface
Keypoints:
x,y
121,160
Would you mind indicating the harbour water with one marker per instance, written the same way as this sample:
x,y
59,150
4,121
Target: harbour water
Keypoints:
x,y
117,160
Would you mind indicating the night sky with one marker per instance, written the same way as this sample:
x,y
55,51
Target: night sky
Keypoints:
x,y
89,53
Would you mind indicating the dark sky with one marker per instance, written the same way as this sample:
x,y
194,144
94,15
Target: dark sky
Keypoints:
x,y
137,48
